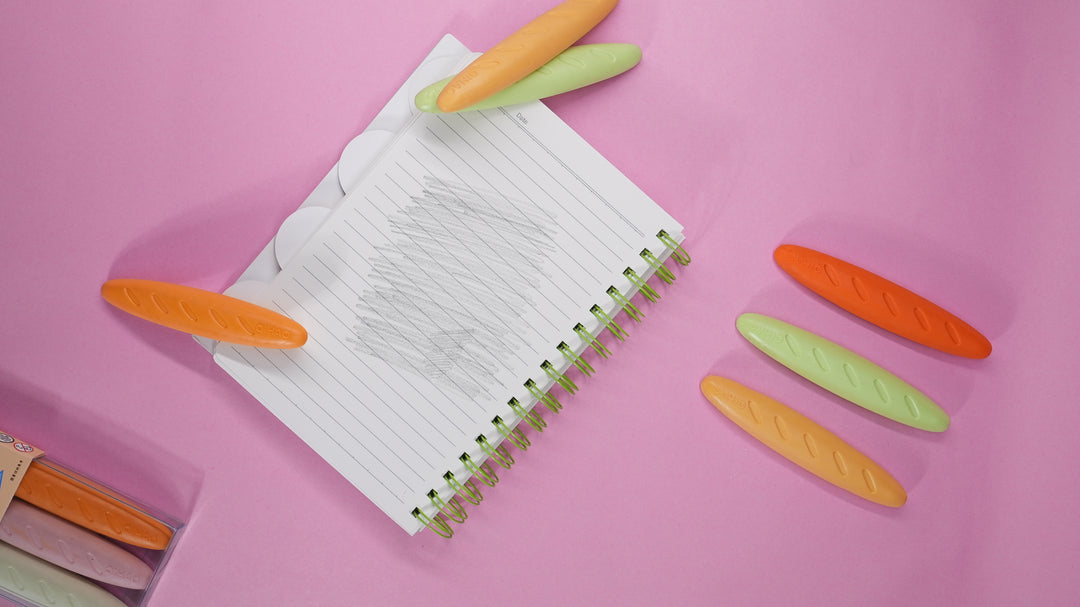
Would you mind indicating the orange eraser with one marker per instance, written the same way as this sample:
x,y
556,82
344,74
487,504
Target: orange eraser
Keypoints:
x,y
882,302
803,441
204,313
75,498
523,52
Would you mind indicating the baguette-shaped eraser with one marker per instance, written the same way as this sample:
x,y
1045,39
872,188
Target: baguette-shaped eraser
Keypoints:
x,y
803,441
204,313
42,583
574,68
67,545
842,372
882,302
73,497
523,52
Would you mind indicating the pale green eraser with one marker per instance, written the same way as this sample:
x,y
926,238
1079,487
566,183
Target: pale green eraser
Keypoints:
x,y
576,67
43,583
842,372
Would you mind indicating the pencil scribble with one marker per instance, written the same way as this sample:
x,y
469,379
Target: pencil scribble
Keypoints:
x,y
445,295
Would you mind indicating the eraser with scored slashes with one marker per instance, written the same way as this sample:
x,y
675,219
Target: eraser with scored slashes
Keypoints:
x,y
882,302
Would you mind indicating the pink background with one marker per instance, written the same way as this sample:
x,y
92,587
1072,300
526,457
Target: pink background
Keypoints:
x,y
934,142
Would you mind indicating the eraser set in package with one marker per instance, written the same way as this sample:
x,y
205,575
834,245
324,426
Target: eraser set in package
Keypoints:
x,y
66,539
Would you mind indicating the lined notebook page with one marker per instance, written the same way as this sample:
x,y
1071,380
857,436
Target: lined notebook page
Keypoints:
x,y
441,284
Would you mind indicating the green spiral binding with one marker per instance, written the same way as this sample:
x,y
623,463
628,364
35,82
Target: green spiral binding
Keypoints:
x,y
549,401
612,326
631,310
437,524
483,471
579,362
560,378
467,491
658,267
515,436
534,420
642,286
678,253
452,509
588,338
499,454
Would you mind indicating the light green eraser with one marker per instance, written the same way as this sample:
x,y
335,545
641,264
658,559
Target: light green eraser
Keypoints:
x,y
42,583
571,69
842,372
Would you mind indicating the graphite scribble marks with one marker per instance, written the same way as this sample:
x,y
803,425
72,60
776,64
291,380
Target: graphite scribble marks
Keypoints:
x,y
445,296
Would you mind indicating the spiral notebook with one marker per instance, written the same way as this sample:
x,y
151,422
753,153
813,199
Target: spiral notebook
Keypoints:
x,y
449,298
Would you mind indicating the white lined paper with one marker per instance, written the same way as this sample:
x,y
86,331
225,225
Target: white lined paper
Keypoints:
x,y
439,286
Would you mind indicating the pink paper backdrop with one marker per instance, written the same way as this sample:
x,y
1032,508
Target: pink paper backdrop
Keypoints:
x,y
934,142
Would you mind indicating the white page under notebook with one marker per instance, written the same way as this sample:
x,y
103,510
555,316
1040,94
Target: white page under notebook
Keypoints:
x,y
464,257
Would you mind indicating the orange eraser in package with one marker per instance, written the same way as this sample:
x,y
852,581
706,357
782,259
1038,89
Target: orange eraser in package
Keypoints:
x,y
71,496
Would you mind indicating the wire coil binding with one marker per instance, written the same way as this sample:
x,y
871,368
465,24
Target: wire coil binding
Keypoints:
x,y
447,510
